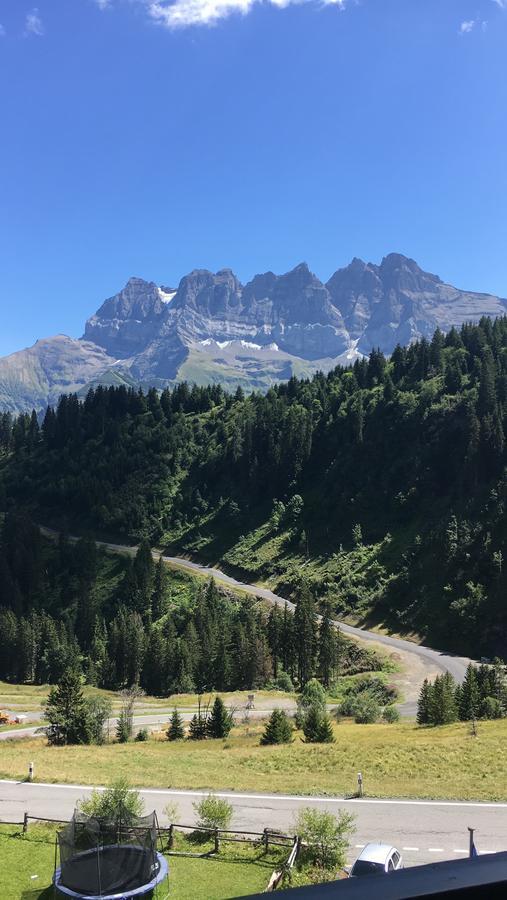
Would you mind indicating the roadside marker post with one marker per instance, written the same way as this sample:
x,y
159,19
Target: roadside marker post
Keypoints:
x,y
360,784
30,771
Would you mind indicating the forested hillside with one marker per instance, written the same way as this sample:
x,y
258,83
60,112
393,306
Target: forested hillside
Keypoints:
x,y
383,484
125,622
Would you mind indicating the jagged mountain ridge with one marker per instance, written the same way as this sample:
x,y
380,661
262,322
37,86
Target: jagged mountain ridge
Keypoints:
x,y
212,328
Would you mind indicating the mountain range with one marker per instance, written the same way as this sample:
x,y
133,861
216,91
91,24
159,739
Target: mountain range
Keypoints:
x,y
213,329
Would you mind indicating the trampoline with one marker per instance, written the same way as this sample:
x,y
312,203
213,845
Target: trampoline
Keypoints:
x,y
110,860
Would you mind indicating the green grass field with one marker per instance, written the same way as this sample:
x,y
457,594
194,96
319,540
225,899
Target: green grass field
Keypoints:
x,y
27,863
400,760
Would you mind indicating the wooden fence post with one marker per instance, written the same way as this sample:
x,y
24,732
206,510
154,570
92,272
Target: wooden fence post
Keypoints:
x,y
170,841
25,823
265,840
217,841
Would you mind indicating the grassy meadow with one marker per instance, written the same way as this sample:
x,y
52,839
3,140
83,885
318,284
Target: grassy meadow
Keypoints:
x,y
28,860
400,760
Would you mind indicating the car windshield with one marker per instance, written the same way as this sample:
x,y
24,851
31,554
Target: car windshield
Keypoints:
x,y
365,867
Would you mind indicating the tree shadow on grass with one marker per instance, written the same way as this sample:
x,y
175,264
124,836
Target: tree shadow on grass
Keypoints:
x,y
36,894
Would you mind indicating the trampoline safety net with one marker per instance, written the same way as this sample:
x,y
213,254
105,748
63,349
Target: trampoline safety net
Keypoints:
x,y
101,856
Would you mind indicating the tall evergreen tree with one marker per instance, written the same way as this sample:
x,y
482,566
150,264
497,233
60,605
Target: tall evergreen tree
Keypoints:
x,y
220,721
424,703
176,730
327,647
66,712
470,698
305,635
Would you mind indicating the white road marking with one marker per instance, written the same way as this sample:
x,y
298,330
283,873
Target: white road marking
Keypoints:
x,y
460,851
435,849
360,846
414,849
285,797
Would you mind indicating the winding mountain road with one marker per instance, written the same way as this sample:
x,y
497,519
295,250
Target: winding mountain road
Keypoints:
x,y
418,660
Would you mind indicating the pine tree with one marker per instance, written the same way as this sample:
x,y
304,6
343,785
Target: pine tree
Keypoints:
x,y
327,647
443,708
424,703
278,729
66,712
325,732
176,730
305,635
470,699
197,729
159,591
274,636
317,727
220,721
144,573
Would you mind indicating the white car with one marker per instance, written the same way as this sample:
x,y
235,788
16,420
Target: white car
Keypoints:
x,y
377,859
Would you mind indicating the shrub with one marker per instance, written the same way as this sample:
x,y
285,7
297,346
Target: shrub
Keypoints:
x,y
213,812
281,683
278,729
326,836
491,708
118,801
391,715
172,811
142,734
367,711
384,694
98,711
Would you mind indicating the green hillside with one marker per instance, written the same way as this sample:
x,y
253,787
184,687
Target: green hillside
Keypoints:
x,y
381,486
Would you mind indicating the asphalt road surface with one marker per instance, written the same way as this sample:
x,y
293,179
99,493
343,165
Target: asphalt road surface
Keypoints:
x,y
424,831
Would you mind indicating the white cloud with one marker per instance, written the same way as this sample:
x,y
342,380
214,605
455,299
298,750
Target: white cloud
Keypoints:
x,y
467,27
175,14
182,13
501,3
33,23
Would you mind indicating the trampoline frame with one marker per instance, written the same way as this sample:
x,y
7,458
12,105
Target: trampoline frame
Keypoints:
x,y
162,873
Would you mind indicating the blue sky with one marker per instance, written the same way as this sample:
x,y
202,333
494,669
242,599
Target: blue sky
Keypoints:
x,y
147,137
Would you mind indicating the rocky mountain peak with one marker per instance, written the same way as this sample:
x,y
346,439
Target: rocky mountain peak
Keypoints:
x,y
214,328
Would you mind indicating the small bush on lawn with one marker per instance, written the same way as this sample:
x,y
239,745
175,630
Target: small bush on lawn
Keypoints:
x,y
142,734
367,711
325,837
213,812
172,811
391,715
116,802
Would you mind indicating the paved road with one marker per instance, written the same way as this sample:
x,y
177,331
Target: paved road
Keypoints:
x,y
424,831
426,660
